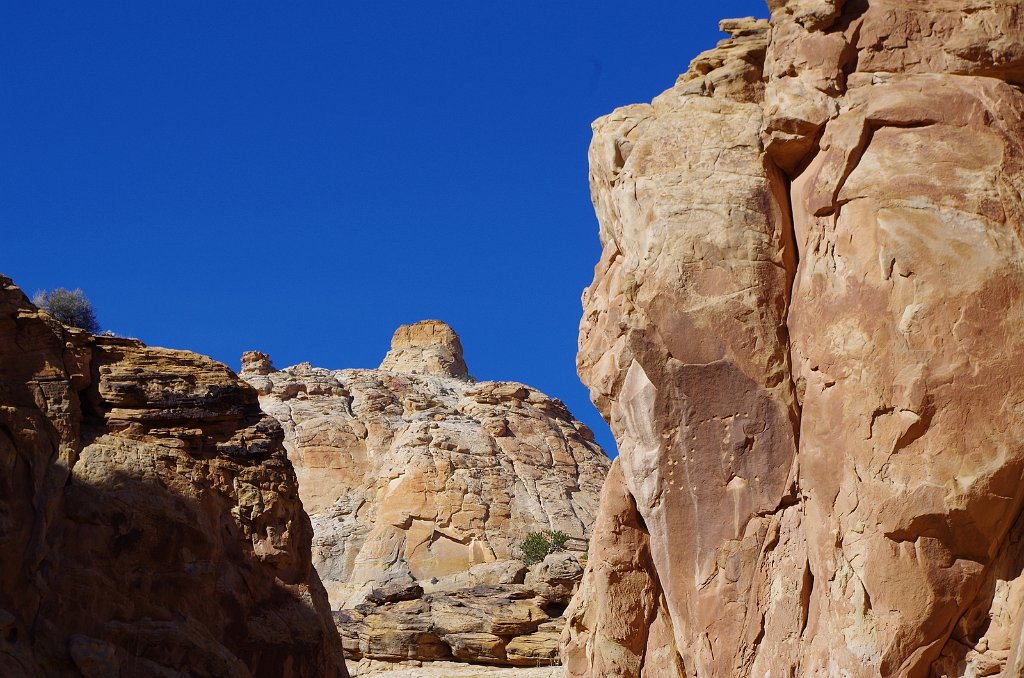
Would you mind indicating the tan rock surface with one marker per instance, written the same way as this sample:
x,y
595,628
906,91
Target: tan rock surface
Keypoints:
x,y
809,350
609,623
426,347
507,624
149,517
421,484
448,669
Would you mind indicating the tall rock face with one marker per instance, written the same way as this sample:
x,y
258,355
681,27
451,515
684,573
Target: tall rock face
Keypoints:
x,y
421,484
805,333
149,517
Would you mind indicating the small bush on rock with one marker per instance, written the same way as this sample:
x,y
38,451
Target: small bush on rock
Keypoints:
x,y
537,545
71,307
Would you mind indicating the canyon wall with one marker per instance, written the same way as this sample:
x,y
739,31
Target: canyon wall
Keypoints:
x,y
421,484
149,518
805,332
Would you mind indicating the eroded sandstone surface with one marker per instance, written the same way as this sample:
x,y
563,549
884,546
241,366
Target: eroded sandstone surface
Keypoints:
x,y
449,669
805,332
150,520
498,613
421,483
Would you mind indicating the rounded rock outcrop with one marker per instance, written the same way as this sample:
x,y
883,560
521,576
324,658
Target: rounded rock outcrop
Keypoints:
x,y
150,519
426,347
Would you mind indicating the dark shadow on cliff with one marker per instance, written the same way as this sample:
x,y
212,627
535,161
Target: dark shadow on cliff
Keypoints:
x,y
146,580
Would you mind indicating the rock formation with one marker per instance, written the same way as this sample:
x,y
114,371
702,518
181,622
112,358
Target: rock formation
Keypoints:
x,y
150,520
805,333
426,347
494,613
420,484
448,669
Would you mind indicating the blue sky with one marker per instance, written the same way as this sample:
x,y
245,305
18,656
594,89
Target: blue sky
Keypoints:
x,y
301,178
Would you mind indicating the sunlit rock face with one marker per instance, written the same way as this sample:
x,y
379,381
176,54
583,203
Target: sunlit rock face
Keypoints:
x,y
805,332
426,347
423,482
149,519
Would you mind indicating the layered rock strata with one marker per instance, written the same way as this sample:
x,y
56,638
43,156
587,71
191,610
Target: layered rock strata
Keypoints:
x,y
805,333
149,517
416,476
426,347
447,669
496,613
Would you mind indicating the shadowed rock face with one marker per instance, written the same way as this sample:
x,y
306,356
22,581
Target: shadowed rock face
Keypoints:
x,y
421,480
805,333
149,519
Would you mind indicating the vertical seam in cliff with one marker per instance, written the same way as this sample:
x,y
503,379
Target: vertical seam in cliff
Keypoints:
x,y
806,591
790,244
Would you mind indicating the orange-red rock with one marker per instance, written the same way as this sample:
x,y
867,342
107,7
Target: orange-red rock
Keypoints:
x,y
805,333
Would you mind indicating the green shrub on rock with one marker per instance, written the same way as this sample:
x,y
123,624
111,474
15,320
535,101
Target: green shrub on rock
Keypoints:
x,y
70,307
537,545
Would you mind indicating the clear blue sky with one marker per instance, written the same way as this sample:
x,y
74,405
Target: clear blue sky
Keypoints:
x,y
301,178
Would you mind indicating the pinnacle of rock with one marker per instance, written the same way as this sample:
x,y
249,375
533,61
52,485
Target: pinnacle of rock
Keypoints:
x,y
255,362
426,347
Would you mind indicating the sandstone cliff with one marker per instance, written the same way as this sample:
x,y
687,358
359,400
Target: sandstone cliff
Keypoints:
x,y
149,518
805,333
421,483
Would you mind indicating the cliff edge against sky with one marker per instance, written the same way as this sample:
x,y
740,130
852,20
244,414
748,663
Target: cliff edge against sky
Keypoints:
x,y
149,518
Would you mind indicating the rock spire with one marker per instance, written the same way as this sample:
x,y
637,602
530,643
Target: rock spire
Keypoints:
x,y
426,347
